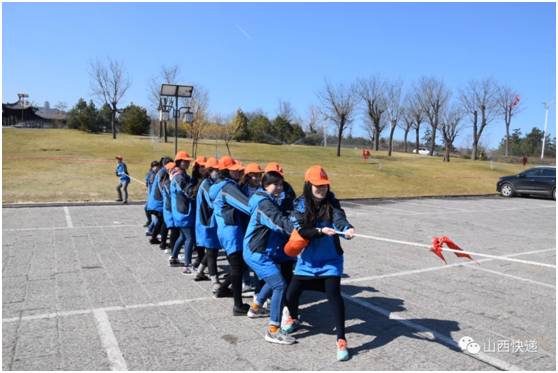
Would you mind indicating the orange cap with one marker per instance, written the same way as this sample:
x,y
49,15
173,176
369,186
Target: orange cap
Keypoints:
x,y
227,163
118,157
275,167
240,165
253,168
182,156
201,160
169,166
316,175
212,162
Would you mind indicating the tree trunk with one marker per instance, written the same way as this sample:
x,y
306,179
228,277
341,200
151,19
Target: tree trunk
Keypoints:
x,y
508,122
165,130
160,128
447,153
390,146
339,137
417,145
405,140
376,137
112,124
433,144
475,137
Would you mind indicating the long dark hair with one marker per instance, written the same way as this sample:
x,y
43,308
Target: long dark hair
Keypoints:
x,y
315,210
271,178
224,174
198,176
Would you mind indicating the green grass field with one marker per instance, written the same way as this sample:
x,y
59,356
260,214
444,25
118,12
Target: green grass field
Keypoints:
x,y
41,165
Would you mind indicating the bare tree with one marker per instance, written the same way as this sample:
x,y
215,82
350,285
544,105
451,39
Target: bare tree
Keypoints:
x,y
165,75
507,101
433,97
61,106
393,109
109,83
371,91
479,102
199,103
314,119
415,111
408,122
286,111
339,103
449,129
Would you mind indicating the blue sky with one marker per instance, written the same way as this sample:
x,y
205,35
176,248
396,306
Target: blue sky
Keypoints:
x,y
253,55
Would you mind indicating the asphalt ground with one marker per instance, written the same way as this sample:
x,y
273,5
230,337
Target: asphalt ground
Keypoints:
x,y
84,290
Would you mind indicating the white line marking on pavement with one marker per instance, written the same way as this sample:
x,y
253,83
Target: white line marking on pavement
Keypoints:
x,y
108,339
68,217
83,227
431,334
105,309
514,277
422,204
440,267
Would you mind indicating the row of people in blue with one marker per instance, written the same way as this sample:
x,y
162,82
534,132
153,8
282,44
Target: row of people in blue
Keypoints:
x,y
253,215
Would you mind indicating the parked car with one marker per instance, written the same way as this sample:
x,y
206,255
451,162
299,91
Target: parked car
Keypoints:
x,y
538,180
424,151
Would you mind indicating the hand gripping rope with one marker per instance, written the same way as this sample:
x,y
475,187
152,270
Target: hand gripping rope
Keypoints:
x,y
437,248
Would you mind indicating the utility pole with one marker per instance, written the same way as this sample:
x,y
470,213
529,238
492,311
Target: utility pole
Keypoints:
x,y
546,107
325,137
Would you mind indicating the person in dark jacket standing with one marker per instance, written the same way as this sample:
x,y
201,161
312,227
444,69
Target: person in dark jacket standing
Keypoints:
x,y
317,215
122,173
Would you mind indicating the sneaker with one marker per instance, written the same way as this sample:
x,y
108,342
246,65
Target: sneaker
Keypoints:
x,y
187,270
257,312
242,310
154,241
148,233
201,277
162,246
246,288
146,225
173,262
342,351
168,251
124,202
225,293
291,325
279,337
118,200
215,287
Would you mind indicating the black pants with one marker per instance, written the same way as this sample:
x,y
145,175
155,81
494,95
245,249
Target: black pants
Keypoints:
x,y
174,233
210,260
122,185
164,234
331,286
201,256
148,216
238,266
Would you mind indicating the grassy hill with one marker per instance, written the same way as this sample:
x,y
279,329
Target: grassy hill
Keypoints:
x,y
68,165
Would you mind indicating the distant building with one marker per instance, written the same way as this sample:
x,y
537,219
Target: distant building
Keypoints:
x,y
23,114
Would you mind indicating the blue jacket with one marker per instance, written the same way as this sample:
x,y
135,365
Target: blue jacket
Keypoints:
x,y
267,233
149,180
122,171
227,201
206,226
323,256
182,200
167,206
155,198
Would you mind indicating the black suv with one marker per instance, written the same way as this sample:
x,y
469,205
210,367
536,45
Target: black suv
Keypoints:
x,y
538,180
